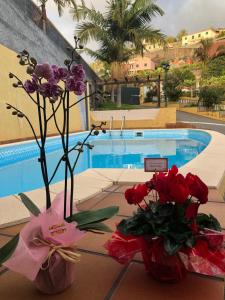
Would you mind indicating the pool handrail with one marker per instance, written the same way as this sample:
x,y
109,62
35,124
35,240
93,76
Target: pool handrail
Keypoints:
x,y
122,125
111,125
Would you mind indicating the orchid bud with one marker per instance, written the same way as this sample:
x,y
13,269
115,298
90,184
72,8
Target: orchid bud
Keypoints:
x,y
14,113
11,75
20,115
15,85
8,107
25,52
22,62
67,62
96,132
30,70
33,60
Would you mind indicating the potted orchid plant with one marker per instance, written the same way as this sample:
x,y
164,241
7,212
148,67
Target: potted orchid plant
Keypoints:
x,y
44,250
167,229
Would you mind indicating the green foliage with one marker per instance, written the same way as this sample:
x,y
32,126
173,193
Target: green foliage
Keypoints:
x,y
108,105
152,91
167,221
91,220
29,204
210,222
120,31
213,81
7,250
95,227
216,67
202,53
171,39
175,80
182,33
211,95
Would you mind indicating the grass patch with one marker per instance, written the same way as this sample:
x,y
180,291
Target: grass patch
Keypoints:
x,y
112,106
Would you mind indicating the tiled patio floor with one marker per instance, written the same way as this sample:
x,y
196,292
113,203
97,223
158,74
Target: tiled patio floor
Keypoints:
x,y
98,277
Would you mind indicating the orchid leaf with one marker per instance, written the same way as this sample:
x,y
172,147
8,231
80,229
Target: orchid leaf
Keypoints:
x,y
95,227
29,204
95,216
7,250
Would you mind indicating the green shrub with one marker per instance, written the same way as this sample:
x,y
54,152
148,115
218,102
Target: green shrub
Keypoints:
x,y
211,95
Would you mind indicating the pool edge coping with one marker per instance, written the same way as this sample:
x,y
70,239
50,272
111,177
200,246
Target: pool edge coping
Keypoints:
x,y
132,176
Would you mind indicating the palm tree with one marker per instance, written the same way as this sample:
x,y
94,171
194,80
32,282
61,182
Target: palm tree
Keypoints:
x,y
61,4
120,32
202,53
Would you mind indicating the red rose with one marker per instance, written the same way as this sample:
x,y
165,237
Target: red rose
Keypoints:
x,y
191,211
198,189
136,194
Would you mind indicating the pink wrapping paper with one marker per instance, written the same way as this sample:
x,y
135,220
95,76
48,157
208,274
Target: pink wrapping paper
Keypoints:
x,y
49,226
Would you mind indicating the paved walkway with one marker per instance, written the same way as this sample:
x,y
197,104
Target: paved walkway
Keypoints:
x,y
201,122
99,277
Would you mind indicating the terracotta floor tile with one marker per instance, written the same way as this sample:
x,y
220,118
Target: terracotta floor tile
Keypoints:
x,y
136,284
216,209
4,240
117,199
95,242
13,230
94,278
214,196
89,204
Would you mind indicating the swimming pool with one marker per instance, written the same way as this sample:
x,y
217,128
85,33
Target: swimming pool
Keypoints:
x,y
20,170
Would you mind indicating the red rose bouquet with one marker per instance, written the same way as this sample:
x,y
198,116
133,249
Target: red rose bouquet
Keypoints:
x,y
168,230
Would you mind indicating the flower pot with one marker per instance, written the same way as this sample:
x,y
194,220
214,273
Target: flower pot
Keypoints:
x,y
160,265
56,275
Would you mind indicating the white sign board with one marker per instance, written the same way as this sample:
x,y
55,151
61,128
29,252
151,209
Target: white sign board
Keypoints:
x,y
156,164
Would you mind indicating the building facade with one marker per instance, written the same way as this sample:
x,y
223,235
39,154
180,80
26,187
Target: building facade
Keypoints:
x,y
140,63
196,37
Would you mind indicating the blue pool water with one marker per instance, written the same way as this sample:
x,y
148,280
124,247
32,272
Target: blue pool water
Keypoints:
x,y
20,170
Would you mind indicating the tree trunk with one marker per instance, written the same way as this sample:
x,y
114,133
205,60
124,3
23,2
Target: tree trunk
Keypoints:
x,y
118,99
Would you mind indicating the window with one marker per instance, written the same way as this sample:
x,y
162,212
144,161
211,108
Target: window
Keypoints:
x,y
193,37
185,38
199,35
137,66
186,44
206,32
145,65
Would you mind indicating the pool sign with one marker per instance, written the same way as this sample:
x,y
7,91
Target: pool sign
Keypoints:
x,y
156,164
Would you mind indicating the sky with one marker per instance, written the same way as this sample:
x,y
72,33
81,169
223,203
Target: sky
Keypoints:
x,y
192,15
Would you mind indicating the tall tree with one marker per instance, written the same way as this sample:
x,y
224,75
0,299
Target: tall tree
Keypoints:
x,y
171,39
202,53
120,31
61,4
182,33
